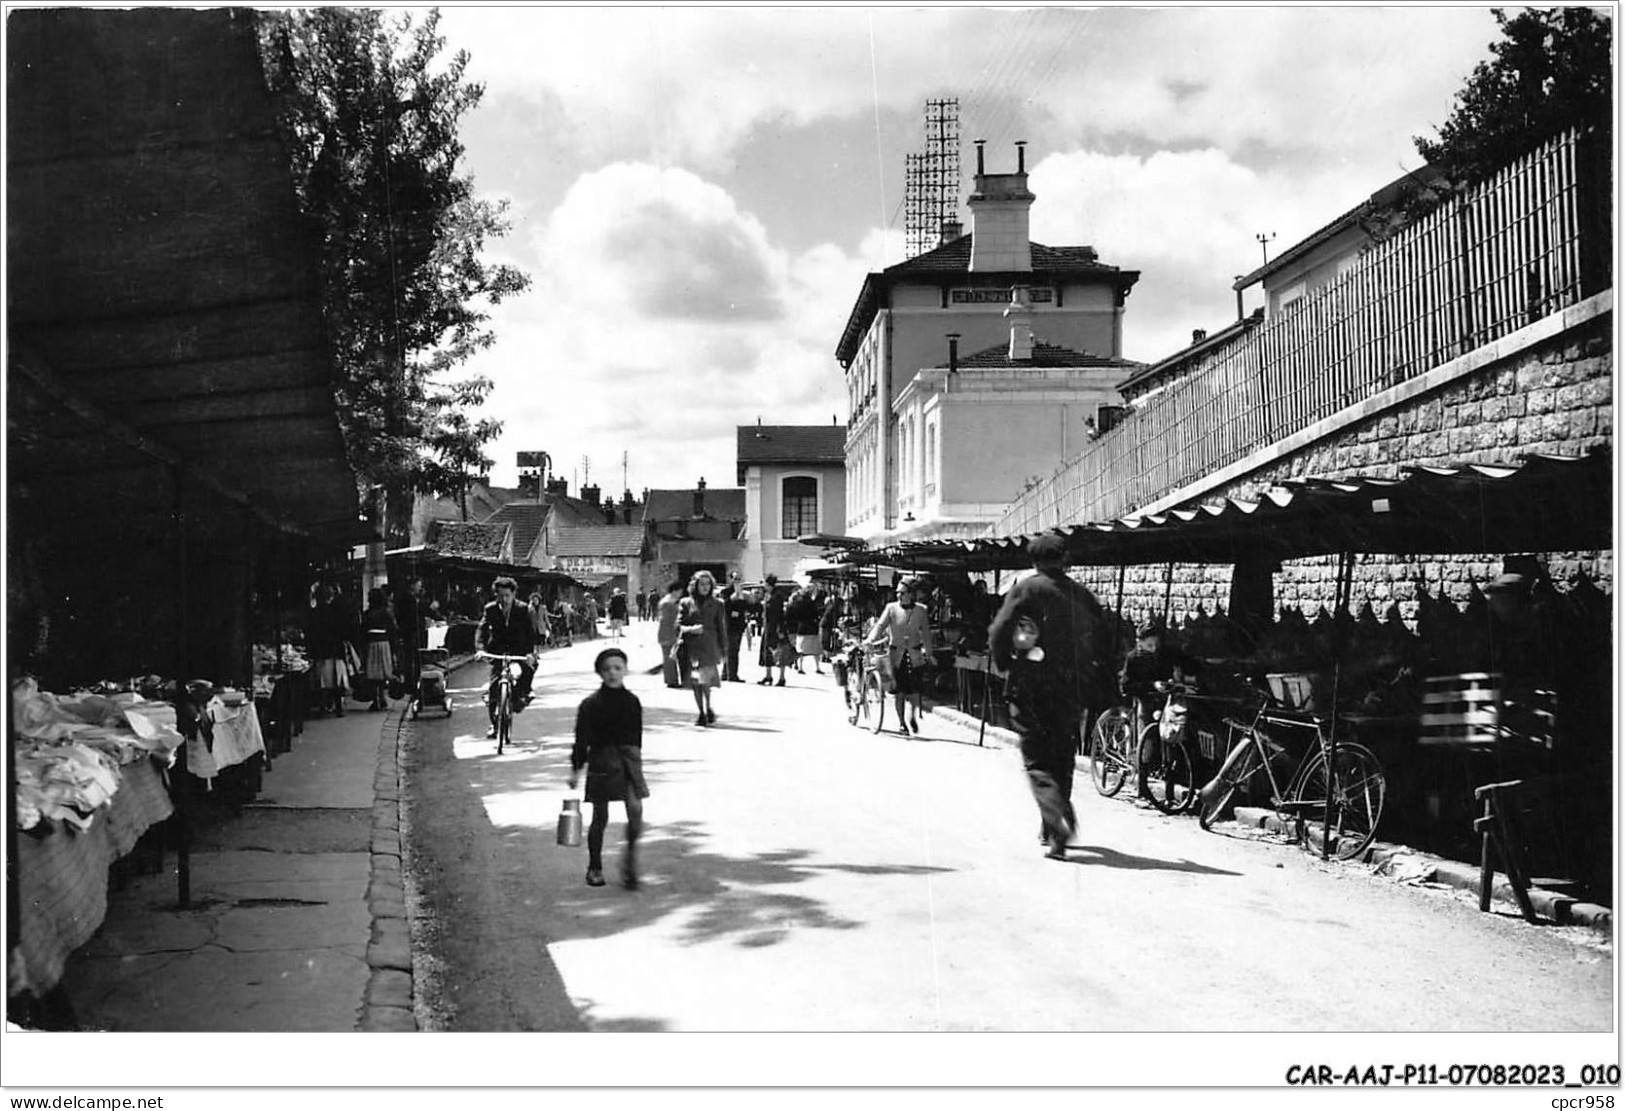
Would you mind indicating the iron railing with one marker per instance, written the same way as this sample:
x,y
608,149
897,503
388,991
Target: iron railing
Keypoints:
x,y
1528,242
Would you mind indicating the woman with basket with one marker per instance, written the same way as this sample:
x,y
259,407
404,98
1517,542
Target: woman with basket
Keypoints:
x,y
906,631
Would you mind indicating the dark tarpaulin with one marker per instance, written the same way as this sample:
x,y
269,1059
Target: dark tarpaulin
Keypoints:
x,y
1542,503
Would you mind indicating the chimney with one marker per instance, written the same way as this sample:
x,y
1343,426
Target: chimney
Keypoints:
x,y
558,486
951,230
1198,335
699,499
626,507
953,352
589,494
530,485
1020,316
999,218
609,511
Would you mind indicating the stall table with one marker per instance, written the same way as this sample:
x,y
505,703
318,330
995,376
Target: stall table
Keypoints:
x,y
62,876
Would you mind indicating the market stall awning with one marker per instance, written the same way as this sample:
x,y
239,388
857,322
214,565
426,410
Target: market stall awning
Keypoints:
x,y
1541,503
426,558
165,315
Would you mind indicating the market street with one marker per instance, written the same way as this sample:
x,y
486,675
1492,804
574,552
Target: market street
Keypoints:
x,y
879,883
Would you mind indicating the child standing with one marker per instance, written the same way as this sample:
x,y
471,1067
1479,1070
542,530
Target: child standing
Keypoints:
x,y
609,744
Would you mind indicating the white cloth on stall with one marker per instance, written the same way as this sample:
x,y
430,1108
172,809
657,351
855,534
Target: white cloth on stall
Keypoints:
x,y
237,735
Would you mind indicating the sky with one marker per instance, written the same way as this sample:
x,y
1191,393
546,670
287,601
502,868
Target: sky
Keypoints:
x,y
698,192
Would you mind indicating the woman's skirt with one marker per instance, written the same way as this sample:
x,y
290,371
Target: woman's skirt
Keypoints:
x,y
705,675
908,676
331,674
807,644
612,773
380,662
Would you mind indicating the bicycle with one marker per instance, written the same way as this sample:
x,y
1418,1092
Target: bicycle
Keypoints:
x,y
865,687
506,679
1167,773
1355,786
1114,751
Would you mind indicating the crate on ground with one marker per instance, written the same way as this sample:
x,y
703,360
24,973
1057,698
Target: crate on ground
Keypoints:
x,y
1461,711
1300,690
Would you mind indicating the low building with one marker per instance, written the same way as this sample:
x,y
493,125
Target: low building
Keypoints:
x,y
694,530
794,478
975,432
604,558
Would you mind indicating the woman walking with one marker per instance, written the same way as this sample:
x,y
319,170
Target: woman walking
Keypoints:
x,y
906,630
378,627
702,628
330,630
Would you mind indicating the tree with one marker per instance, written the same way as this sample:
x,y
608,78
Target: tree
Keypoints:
x,y
1551,70
371,118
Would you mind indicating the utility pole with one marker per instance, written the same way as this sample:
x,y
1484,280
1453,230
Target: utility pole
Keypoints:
x,y
1264,244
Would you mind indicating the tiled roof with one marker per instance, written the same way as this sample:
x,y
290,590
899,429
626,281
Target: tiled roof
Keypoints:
x,y
790,443
477,540
528,518
1044,355
603,540
953,259
678,505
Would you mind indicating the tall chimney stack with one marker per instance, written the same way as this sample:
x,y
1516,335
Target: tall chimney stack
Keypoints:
x,y
1000,241
699,499
953,352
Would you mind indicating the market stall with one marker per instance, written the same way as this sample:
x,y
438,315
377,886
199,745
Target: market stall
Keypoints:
x,y
1543,504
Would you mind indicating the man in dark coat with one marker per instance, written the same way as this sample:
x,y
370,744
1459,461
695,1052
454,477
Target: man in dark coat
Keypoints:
x,y
1054,683
737,605
413,623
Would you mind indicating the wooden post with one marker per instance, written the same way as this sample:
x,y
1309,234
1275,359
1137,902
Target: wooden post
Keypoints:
x,y
1345,585
181,799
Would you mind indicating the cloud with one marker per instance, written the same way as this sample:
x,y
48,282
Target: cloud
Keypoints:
x,y
661,317
1188,221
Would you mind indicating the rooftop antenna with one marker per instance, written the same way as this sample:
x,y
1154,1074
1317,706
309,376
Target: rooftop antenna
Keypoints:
x,y
626,482
586,471
931,179
1264,244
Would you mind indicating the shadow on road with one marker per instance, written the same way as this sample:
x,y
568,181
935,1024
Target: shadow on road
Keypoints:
x,y
1111,858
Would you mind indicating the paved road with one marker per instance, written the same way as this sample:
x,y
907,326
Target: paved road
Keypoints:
x,y
802,875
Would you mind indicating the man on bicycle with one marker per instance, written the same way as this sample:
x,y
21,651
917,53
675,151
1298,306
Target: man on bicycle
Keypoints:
x,y
1154,659
506,629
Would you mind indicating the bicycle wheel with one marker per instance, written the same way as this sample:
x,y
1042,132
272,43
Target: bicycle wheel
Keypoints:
x,y
874,702
504,721
1109,750
1169,778
1240,766
1356,804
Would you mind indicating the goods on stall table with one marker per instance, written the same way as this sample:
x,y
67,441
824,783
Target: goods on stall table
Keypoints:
x,y
70,749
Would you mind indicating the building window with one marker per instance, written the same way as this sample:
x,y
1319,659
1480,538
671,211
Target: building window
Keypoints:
x,y
800,500
930,453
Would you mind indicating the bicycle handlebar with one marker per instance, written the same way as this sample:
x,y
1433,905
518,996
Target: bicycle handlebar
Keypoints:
x,y
494,656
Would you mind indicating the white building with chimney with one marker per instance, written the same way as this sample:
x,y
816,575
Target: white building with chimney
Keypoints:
x,y
938,445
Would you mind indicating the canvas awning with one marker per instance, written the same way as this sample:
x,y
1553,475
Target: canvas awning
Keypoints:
x,y
165,317
1541,503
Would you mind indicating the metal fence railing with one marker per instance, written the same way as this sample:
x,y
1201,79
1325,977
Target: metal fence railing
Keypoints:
x,y
1528,242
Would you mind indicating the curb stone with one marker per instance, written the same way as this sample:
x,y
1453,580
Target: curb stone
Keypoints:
x,y
1563,910
387,1005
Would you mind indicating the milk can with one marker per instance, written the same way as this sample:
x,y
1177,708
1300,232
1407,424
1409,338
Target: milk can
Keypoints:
x,y
570,823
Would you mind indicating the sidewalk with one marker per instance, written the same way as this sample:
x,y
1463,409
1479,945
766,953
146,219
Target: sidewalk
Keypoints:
x,y
297,920
1402,863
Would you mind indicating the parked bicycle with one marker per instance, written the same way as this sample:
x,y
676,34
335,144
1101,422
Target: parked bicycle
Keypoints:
x,y
507,679
1114,749
1353,780
1166,770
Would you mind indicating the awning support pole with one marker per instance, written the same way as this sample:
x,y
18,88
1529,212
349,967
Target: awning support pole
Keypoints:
x,y
1340,623
1167,592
